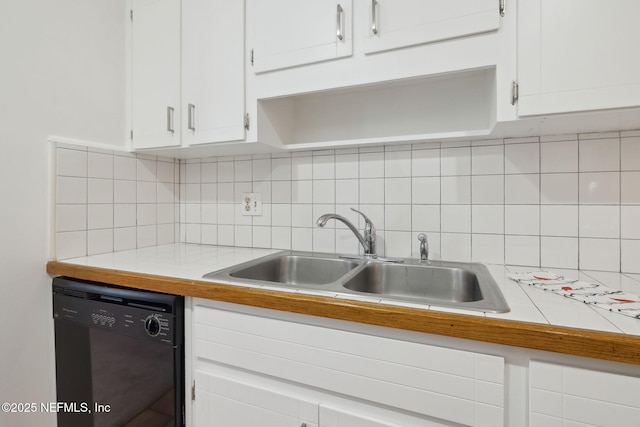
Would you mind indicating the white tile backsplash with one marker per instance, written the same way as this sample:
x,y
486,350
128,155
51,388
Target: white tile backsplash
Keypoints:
x,y
559,220
630,188
528,201
72,162
71,190
563,201
522,219
100,165
488,219
426,190
456,218
600,188
599,155
397,190
397,164
559,156
522,189
488,189
455,161
371,165
522,250
630,222
599,221
559,252
599,254
559,188
630,153
487,160
109,201
522,158
425,162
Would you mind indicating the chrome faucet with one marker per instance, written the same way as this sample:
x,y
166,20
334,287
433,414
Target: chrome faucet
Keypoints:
x,y
424,246
368,240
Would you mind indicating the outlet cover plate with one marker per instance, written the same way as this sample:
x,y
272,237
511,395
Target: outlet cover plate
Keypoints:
x,y
251,204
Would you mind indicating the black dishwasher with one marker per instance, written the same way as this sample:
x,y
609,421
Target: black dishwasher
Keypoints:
x,y
119,356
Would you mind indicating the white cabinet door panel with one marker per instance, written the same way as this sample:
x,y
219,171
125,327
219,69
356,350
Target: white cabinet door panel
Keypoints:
x,y
213,71
156,73
287,33
576,55
576,396
392,24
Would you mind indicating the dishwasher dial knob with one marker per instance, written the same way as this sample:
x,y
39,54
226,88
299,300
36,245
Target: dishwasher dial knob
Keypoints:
x,y
152,326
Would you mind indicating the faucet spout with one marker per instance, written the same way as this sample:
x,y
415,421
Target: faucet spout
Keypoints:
x,y
368,240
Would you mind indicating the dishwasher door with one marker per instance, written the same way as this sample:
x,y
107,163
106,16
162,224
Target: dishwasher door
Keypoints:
x,y
119,356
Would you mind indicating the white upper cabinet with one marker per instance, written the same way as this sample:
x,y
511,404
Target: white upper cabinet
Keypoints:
x,y
577,55
212,71
156,73
353,72
288,33
188,72
392,24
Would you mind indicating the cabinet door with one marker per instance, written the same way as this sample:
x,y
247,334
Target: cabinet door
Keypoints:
x,y
156,73
561,395
392,24
286,33
212,71
221,401
577,55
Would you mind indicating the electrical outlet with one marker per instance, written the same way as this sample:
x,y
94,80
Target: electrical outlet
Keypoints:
x,y
251,204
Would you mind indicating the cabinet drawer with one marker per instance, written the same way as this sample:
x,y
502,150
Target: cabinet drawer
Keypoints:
x,y
452,385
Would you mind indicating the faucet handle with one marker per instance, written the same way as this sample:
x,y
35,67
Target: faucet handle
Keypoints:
x,y
424,246
368,223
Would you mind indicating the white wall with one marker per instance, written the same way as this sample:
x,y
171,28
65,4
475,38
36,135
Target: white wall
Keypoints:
x,y
63,73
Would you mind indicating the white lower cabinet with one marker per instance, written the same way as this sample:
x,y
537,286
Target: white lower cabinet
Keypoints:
x,y
562,395
250,367
223,401
255,367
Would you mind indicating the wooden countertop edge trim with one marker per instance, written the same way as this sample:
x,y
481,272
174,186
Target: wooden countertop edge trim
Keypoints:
x,y
558,339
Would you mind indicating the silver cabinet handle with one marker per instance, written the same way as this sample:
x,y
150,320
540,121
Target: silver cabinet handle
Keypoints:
x,y
502,7
374,16
191,121
340,23
170,111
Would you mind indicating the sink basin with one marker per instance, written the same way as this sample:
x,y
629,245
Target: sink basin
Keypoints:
x,y
292,269
416,281
467,286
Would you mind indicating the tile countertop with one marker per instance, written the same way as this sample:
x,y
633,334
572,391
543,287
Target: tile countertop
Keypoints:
x,y
528,304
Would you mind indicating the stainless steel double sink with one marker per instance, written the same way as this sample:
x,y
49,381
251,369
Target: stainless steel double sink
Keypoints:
x,y
467,286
